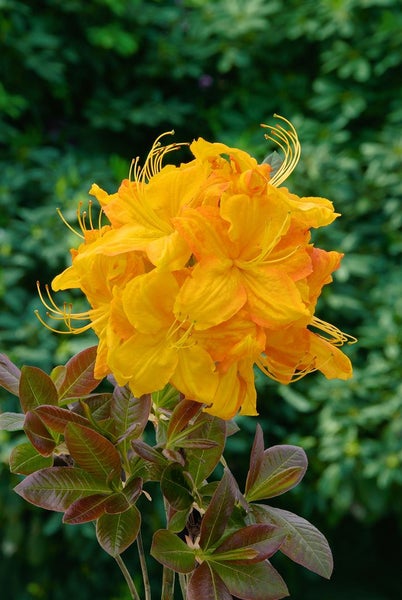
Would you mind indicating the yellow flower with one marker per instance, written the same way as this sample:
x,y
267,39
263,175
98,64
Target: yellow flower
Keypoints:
x,y
203,271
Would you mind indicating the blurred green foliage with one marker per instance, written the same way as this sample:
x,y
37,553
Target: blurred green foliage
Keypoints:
x,y
85,86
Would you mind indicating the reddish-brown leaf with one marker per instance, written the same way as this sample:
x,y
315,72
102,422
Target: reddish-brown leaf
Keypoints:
x,y
116,533
205,584
55,488
9,375
79,378
57,418
86,509
93,452
36,388
38,434
263,540
220,508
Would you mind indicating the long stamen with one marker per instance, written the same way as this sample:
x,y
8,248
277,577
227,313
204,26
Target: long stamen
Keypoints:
x,y
296,375
174,329
65,314
288,142
153,162
67,224
334,336
262,257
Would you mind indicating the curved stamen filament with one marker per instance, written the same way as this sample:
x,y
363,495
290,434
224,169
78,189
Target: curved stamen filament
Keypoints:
x,y
334,336
66,315
296,375
262,257
178,338
67,224
153,162
288,142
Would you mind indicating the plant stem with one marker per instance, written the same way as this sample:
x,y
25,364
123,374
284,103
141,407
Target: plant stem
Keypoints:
x,y
183,585
144,570
168,578
127,577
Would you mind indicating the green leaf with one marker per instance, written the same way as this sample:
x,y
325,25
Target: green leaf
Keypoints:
x,y
9,375
201,462
10,421
218,512
93,452
38,434
172,552
36,388
262,540
115,533
259,581
57,418
178,519
58,375
79,378
176,487
24,459
281,468
86,509
205,584
55,488
304,544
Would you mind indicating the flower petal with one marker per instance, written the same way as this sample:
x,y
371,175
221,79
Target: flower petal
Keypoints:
x,y
213,294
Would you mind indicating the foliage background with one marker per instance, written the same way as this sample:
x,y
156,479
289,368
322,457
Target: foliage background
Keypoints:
x,y
86,86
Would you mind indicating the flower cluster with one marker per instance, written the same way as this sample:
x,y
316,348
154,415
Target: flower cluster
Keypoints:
x,y
203,271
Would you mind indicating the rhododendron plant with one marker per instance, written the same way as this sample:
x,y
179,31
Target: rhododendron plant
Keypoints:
x,y
195,276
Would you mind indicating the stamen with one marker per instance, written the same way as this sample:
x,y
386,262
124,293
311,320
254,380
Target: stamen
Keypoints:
x,y
334,336
296,375
66,315
181,340
288,142
153,162
67,224
266,251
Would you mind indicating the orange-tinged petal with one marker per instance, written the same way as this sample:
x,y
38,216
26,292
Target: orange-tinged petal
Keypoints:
x,y
195,374
205,233
285,349
324,263
169,252
255,223
310,211
175,188
273,299
148,301
213,151
66,280
328,359
145,361
229,395
212,294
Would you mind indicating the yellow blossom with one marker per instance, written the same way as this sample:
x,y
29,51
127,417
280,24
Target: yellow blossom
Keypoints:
x,y
203,271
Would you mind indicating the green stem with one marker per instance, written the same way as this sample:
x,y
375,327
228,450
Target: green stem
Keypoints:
x,y
127,577
183,585
144,570
168,579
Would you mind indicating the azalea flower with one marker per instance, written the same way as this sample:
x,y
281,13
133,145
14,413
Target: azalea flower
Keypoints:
x,y
202,272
